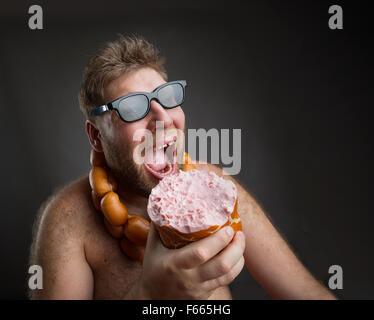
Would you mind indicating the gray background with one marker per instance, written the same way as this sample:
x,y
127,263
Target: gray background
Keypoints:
x,y
301,93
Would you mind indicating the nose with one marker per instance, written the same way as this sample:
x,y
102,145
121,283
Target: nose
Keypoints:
x,y
158,113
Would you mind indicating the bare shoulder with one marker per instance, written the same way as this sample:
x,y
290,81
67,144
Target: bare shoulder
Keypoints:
x,y
63,213
69,203
70,198
58,243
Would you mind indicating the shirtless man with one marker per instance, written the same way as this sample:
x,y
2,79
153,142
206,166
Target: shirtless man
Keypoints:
x,y
80,259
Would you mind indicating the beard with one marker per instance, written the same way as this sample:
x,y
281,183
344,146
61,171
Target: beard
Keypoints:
x,y
131,176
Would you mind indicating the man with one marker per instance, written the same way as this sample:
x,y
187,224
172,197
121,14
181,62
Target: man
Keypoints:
x,y
80,259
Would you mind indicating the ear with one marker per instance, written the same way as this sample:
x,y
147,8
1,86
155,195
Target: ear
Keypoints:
x,y
94,136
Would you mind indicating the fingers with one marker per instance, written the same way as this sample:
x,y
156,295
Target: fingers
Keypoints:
x,y
225,261
199,252
225,279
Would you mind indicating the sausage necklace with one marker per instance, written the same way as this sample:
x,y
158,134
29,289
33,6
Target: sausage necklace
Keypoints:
x,y
130,229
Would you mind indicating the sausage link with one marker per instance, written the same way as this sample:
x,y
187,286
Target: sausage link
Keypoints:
x,y
112,180
115,231
97,159
188,165
133,251
136,230
113,209
96,200
99,181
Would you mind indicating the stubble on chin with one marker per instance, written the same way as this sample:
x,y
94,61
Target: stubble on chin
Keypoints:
x,y
131,176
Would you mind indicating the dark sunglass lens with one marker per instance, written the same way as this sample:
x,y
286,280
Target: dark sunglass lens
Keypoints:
x,y
133,108
171,95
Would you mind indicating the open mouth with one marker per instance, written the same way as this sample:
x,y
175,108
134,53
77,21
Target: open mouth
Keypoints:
x,y
161,161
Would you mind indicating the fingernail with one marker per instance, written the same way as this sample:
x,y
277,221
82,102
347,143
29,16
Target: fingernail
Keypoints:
x,y
229,231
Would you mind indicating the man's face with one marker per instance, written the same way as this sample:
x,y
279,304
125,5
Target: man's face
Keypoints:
x,y
117,136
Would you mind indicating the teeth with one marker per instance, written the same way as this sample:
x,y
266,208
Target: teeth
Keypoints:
x,y
165,145
162,147
169,169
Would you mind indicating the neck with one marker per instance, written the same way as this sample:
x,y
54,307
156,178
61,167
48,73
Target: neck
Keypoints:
x,y
135,203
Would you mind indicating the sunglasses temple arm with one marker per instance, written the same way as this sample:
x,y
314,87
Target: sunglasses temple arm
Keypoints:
x,y
99,110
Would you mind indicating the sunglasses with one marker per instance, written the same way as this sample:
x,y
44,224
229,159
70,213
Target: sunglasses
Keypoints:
x,y
136,105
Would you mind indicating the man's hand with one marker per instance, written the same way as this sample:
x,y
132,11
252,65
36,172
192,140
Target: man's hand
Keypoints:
x,y
194,271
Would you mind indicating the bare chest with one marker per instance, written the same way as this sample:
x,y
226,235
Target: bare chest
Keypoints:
x,y
115,274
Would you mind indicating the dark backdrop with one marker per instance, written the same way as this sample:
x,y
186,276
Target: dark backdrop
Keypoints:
x,y
300,92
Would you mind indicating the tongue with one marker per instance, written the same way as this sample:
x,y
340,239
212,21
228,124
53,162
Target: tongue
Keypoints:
x,y
158,160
